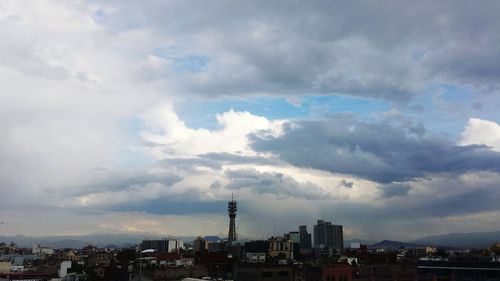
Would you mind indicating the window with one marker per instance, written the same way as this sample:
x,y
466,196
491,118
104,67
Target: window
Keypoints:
x,y
267,273
283,273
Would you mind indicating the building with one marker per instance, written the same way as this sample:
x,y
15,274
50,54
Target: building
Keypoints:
x,y
305,238
495,252
174,245
158,245
178,273
281,248
294,236
387,272
255,257
231,209
41,251
71,256
256,251
201,245
260,272
458,270
4,266
162,245
331,272
328,236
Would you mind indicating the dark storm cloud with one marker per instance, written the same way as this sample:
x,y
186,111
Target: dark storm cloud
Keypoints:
x,y
216,160
229,158
446,195
119,182
346,184
376,151
171,206
281,185
391,50
395,189
190,163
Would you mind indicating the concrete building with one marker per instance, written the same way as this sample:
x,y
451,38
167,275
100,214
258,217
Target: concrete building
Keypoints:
x,y
388,272
458,271
41,251
71,256
256,251
4,266
305,238
201,245
281,248
163,245
254,272
328,236
332,272
63,269
294,236
255,257
178,273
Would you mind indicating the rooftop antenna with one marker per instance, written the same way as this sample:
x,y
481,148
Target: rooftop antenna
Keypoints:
x,y
274,226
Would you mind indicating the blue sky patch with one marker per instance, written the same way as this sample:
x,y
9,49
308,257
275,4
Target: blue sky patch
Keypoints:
x,y
202,113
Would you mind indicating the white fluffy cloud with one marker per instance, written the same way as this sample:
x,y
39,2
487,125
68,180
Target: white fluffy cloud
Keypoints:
x,y
480,131
170,137
82,83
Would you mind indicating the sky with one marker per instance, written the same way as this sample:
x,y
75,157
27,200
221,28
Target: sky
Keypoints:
x,y
146,116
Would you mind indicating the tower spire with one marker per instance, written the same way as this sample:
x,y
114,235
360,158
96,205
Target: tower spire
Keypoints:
x,y
231,209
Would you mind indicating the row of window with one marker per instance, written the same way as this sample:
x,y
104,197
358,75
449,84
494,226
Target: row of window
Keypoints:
x,y
331,277
270,273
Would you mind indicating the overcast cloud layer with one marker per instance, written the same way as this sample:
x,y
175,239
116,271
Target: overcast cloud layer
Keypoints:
x,y
146,116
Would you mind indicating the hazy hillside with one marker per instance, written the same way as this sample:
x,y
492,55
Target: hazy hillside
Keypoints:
x,y
80,241
395,245
459,240
455,240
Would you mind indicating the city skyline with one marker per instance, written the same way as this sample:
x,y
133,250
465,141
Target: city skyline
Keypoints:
x,y
145,117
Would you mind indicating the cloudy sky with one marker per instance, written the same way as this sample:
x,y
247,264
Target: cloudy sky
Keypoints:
x,y
145,116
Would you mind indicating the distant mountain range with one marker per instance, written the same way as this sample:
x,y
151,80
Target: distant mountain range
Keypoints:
x,y
462,240
120,240
212,238
394,245
451,240
347,243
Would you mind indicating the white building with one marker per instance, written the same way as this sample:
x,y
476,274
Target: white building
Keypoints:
x,y
41,251
256,257
174,245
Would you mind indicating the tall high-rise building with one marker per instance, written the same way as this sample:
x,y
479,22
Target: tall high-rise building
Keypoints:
x,y
294,236
305,238
328,235
200,244
231,209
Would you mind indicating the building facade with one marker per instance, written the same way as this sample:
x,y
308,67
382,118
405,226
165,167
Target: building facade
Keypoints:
x,y
162,245
305,238
281,248
328,236
256,272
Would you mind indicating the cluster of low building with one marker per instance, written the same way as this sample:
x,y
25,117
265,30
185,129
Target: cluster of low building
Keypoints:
x,y
294,256
44,263
291,257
